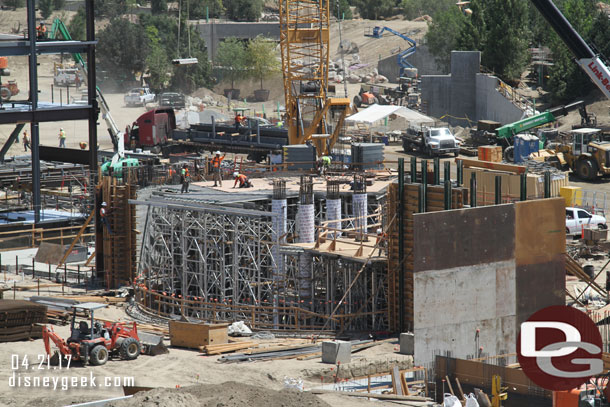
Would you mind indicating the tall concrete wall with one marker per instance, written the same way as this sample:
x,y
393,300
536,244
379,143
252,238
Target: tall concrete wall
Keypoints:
x,y
213,33
491,104
469,96
423,60
486,268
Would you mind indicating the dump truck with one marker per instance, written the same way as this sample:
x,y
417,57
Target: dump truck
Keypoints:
x,y
432,141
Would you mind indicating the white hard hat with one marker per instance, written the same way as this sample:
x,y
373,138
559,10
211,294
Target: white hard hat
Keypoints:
x,y
235,174
103,203
379,231
217,153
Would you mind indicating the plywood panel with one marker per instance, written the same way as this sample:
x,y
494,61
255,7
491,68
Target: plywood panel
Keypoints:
x,y
463,237
540,230
531,278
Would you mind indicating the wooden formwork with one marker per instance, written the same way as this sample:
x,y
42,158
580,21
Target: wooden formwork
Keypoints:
x,y
119,247
435,201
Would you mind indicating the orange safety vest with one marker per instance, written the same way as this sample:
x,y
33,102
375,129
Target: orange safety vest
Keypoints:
x,y
241,178
102,212
216,161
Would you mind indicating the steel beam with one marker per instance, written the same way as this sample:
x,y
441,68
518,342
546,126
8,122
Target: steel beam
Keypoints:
x,y
55,114
11,139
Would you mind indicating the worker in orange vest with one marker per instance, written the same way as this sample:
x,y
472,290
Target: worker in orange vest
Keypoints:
x,y
216,162
41,31
243,180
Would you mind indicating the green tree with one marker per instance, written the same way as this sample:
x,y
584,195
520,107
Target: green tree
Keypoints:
x,y
111,8
261,58
231,57
59,4
185,78
14,4
373,10
566,79
417,8
441,36
46,8
344,10
77,25
243,10
123,46
199,8
498,28
158,63
158,6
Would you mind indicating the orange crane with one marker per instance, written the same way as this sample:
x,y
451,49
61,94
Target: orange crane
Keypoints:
x,y
311,116
10,88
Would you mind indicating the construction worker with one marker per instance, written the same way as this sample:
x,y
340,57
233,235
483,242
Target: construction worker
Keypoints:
x,y
238,119
26,141
82,145
382,240
243,180
103,217
216,162
41,31
185,179
62,138
324,164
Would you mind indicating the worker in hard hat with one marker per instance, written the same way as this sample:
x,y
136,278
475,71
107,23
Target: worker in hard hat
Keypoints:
x,y
41,31
62,138
216,162
242,179
382,241
104,212
185,179
323,164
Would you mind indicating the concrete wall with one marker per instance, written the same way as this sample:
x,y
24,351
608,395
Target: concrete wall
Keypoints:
x,y
423,60
451,304
213,33
492,105
486,268
470,96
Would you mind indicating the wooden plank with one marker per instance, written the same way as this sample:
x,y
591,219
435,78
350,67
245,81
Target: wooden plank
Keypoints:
x,y
470,163
449,384
371,395
396,384
403,383
459,386
78,236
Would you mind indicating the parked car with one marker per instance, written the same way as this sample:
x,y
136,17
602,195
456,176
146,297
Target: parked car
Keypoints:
x,y
577,218
139,97
171,99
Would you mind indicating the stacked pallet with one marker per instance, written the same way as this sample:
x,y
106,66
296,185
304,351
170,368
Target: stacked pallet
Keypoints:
x,y
490,153
21,320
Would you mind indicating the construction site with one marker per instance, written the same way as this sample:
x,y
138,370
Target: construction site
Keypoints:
x,y
356,243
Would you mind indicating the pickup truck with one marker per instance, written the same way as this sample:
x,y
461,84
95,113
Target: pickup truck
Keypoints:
x,y
577,218
431,141
67,77
139,97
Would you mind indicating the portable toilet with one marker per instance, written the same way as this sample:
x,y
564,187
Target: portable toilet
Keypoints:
x,y
524,145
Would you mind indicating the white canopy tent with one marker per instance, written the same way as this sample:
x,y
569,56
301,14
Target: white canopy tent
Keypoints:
x,y
375,113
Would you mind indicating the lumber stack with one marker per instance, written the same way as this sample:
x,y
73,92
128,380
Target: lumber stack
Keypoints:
x,y
58,317
490,153
573,268
226,347
21,320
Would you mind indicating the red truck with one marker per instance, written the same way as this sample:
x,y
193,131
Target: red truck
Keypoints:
x,y
151,130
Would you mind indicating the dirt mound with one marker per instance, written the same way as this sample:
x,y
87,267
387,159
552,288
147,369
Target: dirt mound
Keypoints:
x,y
228,394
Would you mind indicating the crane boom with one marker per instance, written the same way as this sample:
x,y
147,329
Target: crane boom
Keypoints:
x,y
590,62
59,27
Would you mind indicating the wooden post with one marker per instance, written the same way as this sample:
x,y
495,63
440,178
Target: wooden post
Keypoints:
x,y
33,268
65,273
14,288
17,265
33,235
38,286
78,275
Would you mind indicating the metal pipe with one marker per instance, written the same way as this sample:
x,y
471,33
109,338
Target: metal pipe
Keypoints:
x,y
437,171
413,169
523,187
447,176
447,194
547,185
460,173
473,190
498,190
424,181
401,237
